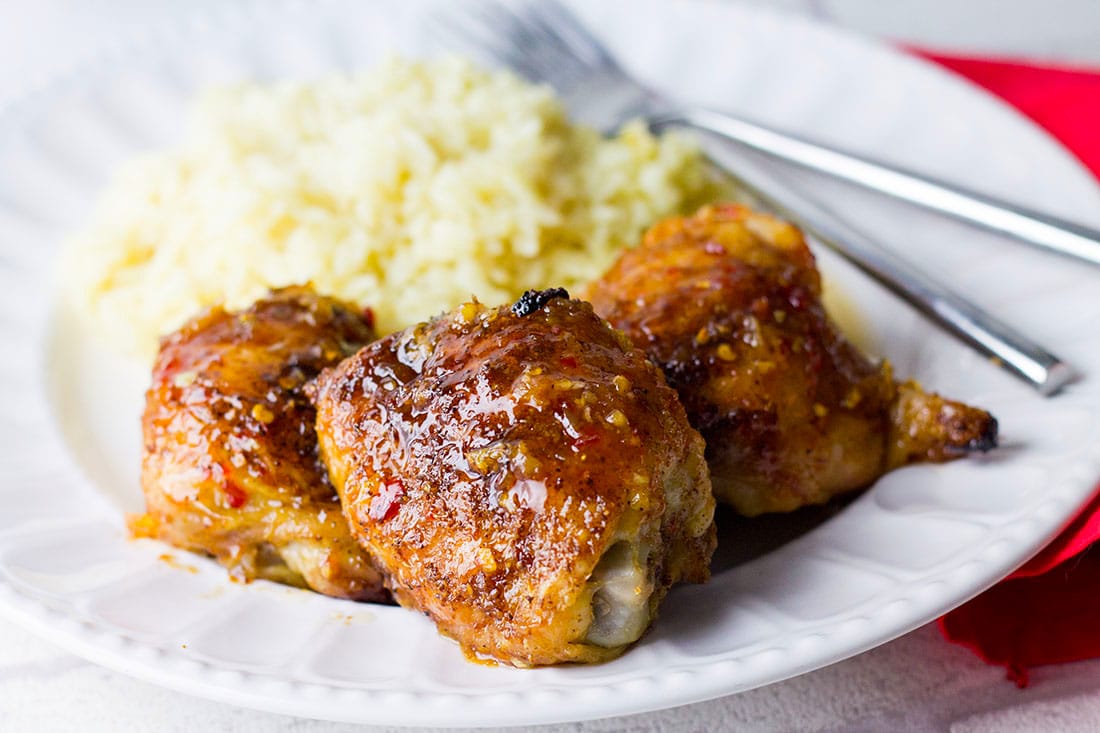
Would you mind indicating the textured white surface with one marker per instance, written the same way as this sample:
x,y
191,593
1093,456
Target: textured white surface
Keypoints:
x,y
886,688
915,684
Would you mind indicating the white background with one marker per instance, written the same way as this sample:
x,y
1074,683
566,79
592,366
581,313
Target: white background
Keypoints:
x,y
917,683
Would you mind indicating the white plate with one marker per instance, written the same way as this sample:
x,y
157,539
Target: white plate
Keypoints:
x,y
921,541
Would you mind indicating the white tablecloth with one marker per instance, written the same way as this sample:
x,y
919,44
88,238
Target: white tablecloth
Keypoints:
x,y
916,683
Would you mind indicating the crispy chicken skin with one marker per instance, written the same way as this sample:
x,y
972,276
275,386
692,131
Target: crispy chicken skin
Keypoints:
x,y
728,303
230,466
525,477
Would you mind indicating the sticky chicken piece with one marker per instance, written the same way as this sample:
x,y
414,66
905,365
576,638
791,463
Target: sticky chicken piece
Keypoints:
x,y
523,476
231,465
728,304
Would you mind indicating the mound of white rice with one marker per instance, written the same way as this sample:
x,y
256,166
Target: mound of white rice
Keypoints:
x,y
408,189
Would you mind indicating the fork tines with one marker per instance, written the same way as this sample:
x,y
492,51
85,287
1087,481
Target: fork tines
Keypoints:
x,y
542,41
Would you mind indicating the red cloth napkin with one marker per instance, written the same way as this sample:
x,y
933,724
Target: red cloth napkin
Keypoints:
x,y
1048,611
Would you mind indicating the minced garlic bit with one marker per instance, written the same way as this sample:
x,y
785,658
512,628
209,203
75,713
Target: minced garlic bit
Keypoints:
x,y
185,379
486,560
467,312
725,352
262,413
618,419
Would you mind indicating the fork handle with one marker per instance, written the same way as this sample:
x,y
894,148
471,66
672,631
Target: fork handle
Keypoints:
x,y
1006,346
1026,225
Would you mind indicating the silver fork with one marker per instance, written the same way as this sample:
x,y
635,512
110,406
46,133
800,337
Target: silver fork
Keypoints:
x,y
564,53
545,43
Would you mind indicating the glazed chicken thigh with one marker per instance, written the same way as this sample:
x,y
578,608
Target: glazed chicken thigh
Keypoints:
x,y
230,466
728,304
523,476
